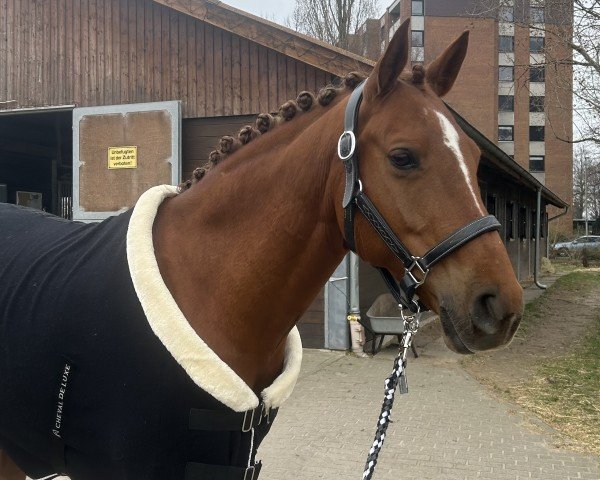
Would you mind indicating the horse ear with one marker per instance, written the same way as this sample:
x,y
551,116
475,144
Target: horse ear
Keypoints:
x,y
442,72
390,65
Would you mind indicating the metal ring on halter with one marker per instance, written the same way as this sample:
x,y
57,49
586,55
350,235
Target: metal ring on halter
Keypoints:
x,y
350,148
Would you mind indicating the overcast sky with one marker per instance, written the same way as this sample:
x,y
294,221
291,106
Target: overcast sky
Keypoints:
x,y
276,10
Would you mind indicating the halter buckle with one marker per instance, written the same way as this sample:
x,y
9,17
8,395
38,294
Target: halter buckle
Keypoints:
x,y
417,265
347,145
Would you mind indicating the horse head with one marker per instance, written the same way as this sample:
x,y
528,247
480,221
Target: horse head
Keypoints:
x,y
420,170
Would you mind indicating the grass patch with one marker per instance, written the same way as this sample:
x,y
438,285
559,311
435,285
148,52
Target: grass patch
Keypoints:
x,y
553,369
575,282
566,393
578,281
567,265
532,314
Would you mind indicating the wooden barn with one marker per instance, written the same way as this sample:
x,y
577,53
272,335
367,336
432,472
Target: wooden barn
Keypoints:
x,y
156,83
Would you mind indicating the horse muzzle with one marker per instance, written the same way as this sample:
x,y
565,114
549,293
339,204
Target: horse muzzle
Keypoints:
x,y
491,321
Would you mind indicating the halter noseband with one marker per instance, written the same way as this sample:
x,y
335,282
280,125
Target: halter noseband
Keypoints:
x,y
416,268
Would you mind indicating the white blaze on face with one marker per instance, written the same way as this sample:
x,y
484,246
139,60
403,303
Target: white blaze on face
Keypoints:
x,y
452,141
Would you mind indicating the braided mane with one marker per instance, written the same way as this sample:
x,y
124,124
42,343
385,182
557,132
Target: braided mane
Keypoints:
x,y
266,122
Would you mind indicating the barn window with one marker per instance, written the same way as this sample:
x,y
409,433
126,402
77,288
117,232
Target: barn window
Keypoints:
x,y
510,217
543,225
490,204
523,223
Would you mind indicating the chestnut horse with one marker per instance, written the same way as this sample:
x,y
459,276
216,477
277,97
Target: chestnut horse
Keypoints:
x,y
246,249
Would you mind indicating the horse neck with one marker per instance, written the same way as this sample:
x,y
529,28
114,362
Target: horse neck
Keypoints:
x,y
246,250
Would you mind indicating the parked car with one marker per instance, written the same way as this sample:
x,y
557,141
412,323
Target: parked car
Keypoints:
x,y
589,242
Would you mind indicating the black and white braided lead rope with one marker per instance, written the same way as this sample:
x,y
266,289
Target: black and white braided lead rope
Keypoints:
x,y
391,384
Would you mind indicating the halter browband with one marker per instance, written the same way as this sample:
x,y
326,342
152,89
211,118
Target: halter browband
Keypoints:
x,y
416,268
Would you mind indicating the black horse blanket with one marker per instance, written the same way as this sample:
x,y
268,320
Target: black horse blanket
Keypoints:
x,y
100,373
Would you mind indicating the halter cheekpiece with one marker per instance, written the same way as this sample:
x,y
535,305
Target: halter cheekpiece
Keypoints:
x,y
416,268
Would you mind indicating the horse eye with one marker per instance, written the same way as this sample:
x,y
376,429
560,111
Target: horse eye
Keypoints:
x,y
402,160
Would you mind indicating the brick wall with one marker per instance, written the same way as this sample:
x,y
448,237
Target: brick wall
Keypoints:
x,y
474,94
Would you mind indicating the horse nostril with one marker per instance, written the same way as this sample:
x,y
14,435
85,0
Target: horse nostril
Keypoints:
x,y
488,313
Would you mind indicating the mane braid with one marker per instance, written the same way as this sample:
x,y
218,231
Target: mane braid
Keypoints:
x,y
266,122
418,74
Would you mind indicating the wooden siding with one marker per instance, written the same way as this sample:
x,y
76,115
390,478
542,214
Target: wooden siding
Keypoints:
x,y
201,136
104,52
312,324
271,35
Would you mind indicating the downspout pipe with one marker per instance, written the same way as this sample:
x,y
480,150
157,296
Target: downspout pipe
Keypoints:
x,y
357,335
538,218
353,284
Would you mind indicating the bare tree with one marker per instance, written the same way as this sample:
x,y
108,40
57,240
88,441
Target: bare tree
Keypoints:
x,y
586,183
572,48
593,191
580,161
332,21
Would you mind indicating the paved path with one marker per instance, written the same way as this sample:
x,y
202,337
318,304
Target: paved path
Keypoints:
x,y
448,427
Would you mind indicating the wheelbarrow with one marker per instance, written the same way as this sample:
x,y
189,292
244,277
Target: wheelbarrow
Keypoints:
x,y
383,318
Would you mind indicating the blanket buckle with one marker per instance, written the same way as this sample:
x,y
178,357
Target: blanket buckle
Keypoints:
x,y
248,423
249,475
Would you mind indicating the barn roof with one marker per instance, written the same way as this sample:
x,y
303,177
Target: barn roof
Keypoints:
x,y
271,35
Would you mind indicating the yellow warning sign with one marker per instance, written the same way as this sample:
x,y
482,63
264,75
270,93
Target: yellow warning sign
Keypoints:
x,y
122,157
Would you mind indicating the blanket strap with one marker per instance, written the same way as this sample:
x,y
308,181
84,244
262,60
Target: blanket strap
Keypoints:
x,y
202,471
58,455
212,420
247,422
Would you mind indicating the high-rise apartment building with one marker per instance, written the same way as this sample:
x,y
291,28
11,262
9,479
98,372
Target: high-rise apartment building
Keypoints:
x,y
514,85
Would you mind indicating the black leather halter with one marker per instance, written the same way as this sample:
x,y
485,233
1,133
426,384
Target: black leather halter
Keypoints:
x,y
416,268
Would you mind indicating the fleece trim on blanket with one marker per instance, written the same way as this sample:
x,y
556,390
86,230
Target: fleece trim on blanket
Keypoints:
x,y
167,321
101,378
